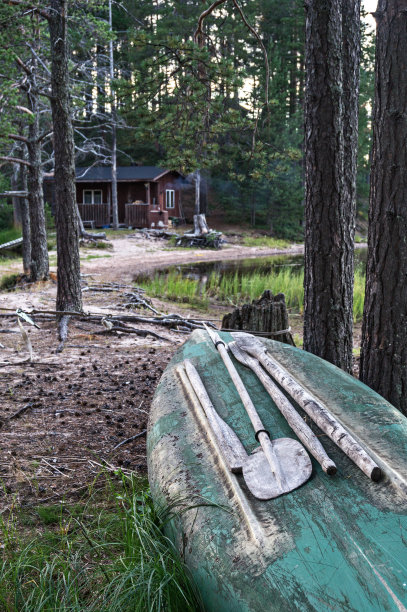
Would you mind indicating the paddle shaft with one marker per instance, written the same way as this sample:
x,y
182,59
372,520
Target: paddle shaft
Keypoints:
x,y
297,424
318,412
261,435
233,450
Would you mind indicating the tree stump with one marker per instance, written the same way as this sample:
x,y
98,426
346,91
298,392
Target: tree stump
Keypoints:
x,y
266,316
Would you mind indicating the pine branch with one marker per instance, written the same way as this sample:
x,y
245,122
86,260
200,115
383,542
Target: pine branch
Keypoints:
x,y
15,160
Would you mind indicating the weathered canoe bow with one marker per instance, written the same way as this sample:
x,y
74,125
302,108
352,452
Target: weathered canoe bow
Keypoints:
x,y
336,543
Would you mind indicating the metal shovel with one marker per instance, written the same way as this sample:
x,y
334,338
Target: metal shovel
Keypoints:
x,y
280,465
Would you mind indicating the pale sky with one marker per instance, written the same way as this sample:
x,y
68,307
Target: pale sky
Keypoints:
x,y
370,6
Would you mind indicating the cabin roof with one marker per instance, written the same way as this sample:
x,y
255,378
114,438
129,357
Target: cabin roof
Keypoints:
x,y
103,174
124,173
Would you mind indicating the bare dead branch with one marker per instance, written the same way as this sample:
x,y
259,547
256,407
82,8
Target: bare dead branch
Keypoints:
x,y
198,32
14,160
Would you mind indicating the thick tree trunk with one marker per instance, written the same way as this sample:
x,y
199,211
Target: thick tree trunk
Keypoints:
x,y
115,209
351,41
329,214
383,363
69,294
38,233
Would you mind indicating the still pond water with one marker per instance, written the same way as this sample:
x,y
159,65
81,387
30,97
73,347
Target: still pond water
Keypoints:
x,y
200,271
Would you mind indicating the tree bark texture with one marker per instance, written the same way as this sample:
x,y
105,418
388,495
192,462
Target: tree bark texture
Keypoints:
x,y
25,225
383,363
266,315
21,211
69,294
115,209
38,232
15,185
330,136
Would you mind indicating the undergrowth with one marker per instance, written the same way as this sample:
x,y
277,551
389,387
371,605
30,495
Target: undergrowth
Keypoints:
x,y
240,288
8,281
108,555
11,233
266,241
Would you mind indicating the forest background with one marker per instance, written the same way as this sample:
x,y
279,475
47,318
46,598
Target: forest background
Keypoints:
x,y
185,106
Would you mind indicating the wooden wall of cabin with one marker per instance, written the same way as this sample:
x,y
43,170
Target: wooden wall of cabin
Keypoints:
x,y
169,181
128,193
104,187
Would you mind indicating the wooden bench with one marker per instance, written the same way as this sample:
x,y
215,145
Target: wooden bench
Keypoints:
x,y
90,224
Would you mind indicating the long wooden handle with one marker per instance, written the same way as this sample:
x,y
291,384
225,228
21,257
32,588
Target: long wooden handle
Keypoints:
x,y
297,424
232,448
261,435
318,412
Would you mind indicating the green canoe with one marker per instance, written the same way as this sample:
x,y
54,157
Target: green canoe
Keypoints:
x,y
336,543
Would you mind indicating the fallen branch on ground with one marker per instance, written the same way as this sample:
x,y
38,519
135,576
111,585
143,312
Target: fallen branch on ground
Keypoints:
x,y
142,433
129,330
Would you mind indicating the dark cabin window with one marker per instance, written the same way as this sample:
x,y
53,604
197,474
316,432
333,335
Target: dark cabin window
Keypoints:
x,y
92,196
170,198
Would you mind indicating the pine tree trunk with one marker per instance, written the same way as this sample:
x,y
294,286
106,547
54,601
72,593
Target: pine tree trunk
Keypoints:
x,y
25,225
115,209
383,364
69,294
21,210
38,232
329,214
351,42
15,184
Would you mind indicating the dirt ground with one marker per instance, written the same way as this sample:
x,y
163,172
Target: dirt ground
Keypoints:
x,y
64,415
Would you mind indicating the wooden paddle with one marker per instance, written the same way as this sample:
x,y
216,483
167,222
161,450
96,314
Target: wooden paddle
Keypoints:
x,y
232,449
318,411
297,424
280,465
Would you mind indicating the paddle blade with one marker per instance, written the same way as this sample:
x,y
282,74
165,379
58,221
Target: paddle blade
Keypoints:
x,y
293,459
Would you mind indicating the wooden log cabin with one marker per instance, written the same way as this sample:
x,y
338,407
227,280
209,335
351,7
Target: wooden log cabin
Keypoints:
x,y
148,196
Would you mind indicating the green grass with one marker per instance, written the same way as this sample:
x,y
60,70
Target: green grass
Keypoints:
x,y
241,288
89,257
12,233
99,244
176,288
109,555
111,233
8,281
266,241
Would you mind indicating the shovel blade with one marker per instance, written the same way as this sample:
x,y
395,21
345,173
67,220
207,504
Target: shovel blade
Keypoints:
x,y
294,462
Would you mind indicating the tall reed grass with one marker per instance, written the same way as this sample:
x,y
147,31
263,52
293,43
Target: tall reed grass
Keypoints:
x,y
113,558
239,288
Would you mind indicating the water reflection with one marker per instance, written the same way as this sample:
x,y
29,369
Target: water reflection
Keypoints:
x,y
201,271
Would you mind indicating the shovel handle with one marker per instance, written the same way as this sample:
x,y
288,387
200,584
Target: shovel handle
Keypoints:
x,y
262,436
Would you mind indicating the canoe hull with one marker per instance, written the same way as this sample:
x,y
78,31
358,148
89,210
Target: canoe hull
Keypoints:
x,y
335,543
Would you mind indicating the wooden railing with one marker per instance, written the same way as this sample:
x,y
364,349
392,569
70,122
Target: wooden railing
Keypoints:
x,y
98,213
137,215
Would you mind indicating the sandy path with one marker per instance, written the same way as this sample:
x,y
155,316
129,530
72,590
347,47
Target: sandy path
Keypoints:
x,y
131,256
